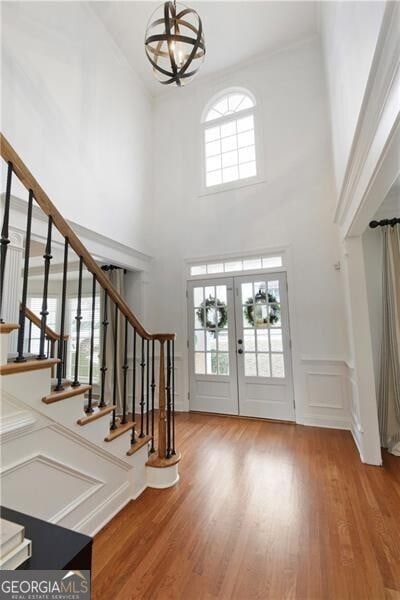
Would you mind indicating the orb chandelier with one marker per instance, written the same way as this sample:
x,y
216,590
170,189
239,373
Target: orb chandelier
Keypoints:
x,y
174,43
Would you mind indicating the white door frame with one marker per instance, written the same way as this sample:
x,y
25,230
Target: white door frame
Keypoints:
x,y
285,252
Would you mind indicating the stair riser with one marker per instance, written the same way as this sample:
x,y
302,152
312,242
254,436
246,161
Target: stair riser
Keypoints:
x,y
29,387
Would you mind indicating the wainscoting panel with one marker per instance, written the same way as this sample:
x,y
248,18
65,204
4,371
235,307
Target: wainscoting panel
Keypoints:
x,y
326,393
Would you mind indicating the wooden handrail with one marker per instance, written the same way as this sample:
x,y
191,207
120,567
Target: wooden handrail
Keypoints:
x,y
50,333
25,176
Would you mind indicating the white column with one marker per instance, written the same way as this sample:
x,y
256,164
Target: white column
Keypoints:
x,y
361,345
12,289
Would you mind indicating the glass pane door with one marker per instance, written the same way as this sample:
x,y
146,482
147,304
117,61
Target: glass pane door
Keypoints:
x,y
263,347
212,346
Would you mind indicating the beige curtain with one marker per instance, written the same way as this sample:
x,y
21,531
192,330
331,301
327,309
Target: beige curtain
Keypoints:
x,y
116,276
389,383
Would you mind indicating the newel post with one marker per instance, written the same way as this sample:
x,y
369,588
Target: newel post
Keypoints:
x,y
162,417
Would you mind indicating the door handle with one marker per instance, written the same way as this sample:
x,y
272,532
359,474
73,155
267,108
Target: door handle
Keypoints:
x,y
240,351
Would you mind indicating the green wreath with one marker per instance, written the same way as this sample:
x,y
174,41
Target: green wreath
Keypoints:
x,y
204,309
261,298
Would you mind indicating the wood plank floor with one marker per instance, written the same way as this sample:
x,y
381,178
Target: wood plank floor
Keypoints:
x,y
262,511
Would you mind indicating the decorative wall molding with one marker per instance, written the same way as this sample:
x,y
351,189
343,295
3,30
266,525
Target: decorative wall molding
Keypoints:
x,y
105,511
377,119
312,379
93,484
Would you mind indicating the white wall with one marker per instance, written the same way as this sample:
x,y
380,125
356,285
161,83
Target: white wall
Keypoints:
x,y
292,207
349,32
78,116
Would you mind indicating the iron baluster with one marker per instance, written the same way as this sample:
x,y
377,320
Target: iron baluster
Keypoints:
x,y
21,332
114,413
142,367
153,389
44,312
89,408
125,371
60,348
5,240
173,397
133,439
103,369
78,320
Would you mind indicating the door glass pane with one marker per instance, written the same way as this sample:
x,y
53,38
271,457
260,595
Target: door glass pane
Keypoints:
x,y
274,314
248,315
250,367
276,340
198,296
273,290
211,341
262,340
199,363
263,365
197,321
249,341
199,345
221,294
223,342
260,315
223,363
278,368
212,367
209,291
247,292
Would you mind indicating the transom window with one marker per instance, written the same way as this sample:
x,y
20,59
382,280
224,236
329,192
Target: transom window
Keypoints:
x,y
239,264
229,141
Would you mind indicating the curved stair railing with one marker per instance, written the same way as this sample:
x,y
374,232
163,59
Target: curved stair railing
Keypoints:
x,y
145,346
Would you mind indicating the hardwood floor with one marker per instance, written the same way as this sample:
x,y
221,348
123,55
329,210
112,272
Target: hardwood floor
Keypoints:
x,y
262,511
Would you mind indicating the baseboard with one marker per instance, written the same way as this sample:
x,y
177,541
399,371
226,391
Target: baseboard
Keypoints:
x,y
102,514
325,422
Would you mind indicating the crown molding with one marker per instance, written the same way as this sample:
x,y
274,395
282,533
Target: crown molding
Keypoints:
x,y
377,120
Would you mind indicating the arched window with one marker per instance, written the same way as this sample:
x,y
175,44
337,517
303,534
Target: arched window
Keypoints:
x,y
229,141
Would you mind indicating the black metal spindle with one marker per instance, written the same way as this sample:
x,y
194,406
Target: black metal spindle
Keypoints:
x,y
153,389
29,337
21,332
103,368
114,413
148,387
142,367
78,319
173,398
133,439
44,312
60,347
125,371
5,240
168,388
89,407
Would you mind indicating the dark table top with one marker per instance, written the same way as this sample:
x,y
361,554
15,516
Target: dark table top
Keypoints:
x,y
53,547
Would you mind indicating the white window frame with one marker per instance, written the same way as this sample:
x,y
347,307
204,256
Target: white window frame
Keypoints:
x,y
258,139
266,253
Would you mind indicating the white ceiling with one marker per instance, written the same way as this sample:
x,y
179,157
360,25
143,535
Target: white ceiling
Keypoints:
x,y
234,31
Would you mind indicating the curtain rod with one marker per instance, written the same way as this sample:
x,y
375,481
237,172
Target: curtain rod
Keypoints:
x,y
383,222
111,268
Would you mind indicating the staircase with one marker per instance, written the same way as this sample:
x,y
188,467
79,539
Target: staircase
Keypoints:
x,y
68,455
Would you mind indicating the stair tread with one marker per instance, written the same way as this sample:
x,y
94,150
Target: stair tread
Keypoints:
x,y
96,414
114,433
29,365
67,392
8,327
140,442
162,463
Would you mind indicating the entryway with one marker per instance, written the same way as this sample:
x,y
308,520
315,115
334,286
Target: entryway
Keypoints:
x,y
239,346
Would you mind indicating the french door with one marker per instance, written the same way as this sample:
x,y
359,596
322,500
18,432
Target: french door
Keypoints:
x,y
239,346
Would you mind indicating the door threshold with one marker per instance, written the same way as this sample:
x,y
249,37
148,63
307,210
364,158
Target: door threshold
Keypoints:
x,y
248,418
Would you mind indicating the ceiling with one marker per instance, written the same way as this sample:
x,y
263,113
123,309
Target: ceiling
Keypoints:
x,y
235,32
